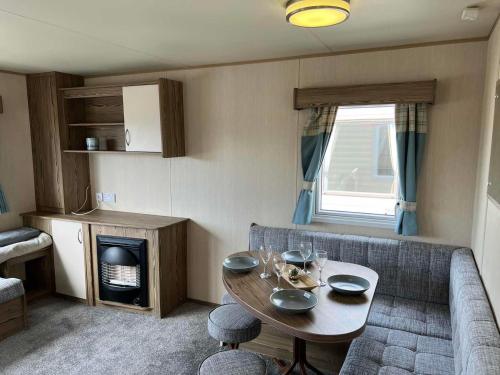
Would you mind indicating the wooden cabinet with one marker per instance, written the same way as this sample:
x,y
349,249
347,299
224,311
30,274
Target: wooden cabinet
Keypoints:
x,y
60,179
69,258
145,118
141,109
75,253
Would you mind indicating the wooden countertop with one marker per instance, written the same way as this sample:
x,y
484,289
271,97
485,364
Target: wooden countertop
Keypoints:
x,y
114,218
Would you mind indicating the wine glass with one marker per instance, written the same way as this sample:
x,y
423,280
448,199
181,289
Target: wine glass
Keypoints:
x,y
279,267
320,261
305,249
265,255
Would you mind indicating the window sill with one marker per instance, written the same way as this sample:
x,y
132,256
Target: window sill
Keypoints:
x,y
355,219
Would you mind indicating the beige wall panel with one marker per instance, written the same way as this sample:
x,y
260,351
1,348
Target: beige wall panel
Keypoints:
x,y
241,132
488,107
446,189
16,163
242,139
491,260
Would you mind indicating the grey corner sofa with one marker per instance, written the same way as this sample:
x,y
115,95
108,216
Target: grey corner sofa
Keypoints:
x,y
430,313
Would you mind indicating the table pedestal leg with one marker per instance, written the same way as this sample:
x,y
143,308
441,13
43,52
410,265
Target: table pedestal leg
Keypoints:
x,y
299,359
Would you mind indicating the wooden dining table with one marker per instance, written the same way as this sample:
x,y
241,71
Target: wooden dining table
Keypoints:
x,y
336,318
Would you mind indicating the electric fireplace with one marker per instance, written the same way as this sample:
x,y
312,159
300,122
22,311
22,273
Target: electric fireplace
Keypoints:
x,y
122,270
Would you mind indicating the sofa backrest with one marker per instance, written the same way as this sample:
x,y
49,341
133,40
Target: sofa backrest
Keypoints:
x,y
476,341
406,269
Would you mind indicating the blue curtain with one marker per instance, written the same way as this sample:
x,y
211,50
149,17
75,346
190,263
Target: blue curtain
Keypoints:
x,y
3,202
315,138
411,129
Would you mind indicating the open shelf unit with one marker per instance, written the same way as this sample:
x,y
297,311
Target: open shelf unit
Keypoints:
x,y
94,112
99,112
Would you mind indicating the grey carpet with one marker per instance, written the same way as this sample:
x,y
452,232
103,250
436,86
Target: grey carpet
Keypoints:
x,y
71,338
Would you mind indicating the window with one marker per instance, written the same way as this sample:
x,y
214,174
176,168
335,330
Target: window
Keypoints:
x,y
358,180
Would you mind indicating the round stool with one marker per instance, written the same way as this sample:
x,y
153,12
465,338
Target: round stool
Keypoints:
x,y
227,299
233,325
233,362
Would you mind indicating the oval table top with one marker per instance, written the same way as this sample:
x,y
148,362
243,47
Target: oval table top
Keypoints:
x,y
336,318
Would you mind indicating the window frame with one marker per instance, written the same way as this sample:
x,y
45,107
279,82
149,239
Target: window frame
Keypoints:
x,y
351,218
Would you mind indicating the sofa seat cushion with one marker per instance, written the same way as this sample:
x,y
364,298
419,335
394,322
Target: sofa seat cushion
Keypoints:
x,y
18,249
384,351
422,318
18,235
10,289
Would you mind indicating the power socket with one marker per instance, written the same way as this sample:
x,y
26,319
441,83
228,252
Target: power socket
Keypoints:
x,y
109,197
98,197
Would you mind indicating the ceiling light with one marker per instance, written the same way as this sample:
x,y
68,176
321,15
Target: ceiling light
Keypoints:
x,y
317,13
470,13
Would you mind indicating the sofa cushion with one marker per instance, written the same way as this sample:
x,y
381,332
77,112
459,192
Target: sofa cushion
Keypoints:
x,y
18,235
10,289
406,269
423,318
476,340
383,351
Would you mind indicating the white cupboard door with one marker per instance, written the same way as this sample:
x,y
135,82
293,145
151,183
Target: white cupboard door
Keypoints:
x,y
69,258
141,110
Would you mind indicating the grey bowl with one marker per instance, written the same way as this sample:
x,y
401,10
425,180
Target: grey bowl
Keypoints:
x,y
293,301
240,264
348,284
294,257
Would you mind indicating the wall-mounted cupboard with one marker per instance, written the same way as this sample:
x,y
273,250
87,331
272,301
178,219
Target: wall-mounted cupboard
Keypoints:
x,y
139,118
145,118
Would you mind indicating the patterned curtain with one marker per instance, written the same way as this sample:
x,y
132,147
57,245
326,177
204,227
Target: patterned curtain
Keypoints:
x,y
315,138
3,202
411,129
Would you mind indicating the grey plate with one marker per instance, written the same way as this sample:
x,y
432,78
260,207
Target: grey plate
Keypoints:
x,y
293,301
294,257
348,284
240,264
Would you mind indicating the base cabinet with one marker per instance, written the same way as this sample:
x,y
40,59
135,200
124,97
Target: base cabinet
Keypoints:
x,y
69,258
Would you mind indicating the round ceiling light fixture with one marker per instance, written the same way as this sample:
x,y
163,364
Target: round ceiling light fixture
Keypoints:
x,y
317,13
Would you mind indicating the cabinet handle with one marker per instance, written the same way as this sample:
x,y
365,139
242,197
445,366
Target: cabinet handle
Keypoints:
x,y
80,239
127,137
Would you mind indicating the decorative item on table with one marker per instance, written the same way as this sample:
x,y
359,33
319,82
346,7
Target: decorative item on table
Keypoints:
x,y
279,265
265,253
320,260
240,264
92,144
348,284
305,249
293,301
294,257
298,279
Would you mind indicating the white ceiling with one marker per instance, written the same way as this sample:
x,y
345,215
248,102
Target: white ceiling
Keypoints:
x,y
110,36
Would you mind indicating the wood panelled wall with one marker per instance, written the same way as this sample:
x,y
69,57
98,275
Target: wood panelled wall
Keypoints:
x,y
243,163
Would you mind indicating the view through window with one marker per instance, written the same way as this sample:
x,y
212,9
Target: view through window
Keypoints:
x,y
359,172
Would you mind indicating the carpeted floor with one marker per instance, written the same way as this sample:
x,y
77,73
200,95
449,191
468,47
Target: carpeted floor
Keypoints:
x,y
71,338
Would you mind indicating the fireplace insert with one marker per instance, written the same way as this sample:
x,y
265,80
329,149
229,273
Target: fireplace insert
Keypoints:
x,y
122,270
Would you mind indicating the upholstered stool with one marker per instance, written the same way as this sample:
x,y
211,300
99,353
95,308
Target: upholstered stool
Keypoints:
x,y
227,299
233,325
233,362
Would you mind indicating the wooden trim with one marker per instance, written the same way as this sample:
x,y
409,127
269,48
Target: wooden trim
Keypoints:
x,y
298,57
13,317
171,117
1,105
90,92
402,92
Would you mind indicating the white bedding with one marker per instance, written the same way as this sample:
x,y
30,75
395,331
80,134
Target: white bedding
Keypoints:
x,y
25,247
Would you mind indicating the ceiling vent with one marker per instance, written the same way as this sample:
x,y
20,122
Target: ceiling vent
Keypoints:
x,y
470,14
